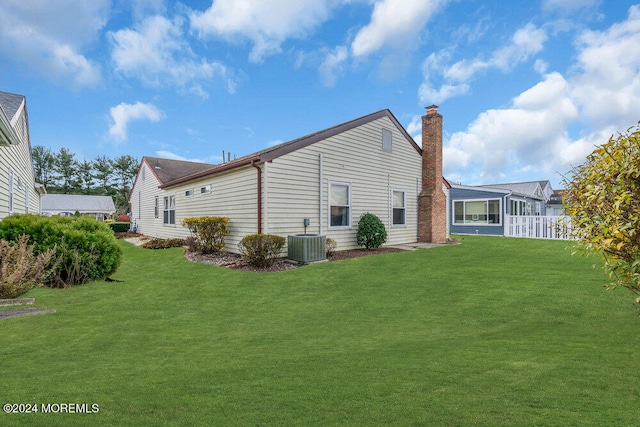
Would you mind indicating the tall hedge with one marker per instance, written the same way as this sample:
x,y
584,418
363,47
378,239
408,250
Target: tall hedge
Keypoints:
x,y
85,249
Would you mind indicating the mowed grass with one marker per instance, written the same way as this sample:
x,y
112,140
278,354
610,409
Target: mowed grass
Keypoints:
x,y
493,331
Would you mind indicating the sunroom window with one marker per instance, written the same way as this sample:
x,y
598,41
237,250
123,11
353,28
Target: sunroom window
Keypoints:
x,y
476,212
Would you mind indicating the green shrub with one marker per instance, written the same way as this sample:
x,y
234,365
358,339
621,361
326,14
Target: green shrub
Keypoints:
x,y
331,246
209,231
371,231
261,250
21,269
119,227
85,249
163,243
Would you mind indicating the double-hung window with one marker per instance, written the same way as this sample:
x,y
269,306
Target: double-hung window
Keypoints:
x,y
340,204
399,203
475,212
169,210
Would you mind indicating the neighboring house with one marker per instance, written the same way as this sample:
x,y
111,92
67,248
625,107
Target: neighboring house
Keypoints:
x,y
478,210
331,178
100,207
528,198
19,192
555,206
482,209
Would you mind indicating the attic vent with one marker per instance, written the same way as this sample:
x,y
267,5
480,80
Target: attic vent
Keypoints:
x,y
387,140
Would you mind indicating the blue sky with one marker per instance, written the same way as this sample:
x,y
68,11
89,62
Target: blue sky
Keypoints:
x,y
526,88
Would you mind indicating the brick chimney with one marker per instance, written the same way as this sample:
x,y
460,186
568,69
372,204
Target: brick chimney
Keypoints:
x,y
432,210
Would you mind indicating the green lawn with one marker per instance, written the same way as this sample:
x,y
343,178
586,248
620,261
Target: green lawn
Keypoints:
x,y
493,331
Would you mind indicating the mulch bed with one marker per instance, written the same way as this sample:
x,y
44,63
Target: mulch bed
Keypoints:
x,y
229,260
234,261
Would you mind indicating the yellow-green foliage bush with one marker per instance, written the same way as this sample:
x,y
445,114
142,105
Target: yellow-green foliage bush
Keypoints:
x,y
21,269
331,246
163,243
261,250
209,231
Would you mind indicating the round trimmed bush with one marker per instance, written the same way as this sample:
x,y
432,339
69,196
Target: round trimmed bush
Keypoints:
x,y
371,231
261,250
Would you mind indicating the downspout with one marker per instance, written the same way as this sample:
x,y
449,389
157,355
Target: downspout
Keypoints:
x,y
321,178
253,163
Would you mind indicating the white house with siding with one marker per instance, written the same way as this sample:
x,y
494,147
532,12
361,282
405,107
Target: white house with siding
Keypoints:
x,y
100,207
19,193
331,177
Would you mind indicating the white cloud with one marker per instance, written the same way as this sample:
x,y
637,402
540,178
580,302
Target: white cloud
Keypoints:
x,y
332,65
156,52
265,23
394,23
122,114
525,43
532,136
607,76
568,6
531,132
50,36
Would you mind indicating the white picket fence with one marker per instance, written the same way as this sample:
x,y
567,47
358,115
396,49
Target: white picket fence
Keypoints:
x,y
538,227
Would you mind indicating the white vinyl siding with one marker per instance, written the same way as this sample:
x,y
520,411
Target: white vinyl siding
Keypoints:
x,y
16,166
292,190
356,157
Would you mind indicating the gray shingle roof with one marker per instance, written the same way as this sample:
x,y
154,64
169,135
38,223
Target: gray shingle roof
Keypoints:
x,y
75,202
10,103
524,188
168,170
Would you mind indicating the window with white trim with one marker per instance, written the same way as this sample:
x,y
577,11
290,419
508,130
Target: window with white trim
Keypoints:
x,y
475,212
518,207
156,207
398,205
169,210
339,205
189,193
205,189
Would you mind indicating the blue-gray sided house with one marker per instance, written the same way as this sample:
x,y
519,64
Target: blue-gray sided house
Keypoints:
x,y
484,209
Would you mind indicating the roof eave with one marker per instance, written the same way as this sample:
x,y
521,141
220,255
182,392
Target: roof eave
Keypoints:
x,y
243,161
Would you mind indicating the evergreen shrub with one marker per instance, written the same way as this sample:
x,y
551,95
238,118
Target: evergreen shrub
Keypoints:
x,y
85,249
371,231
